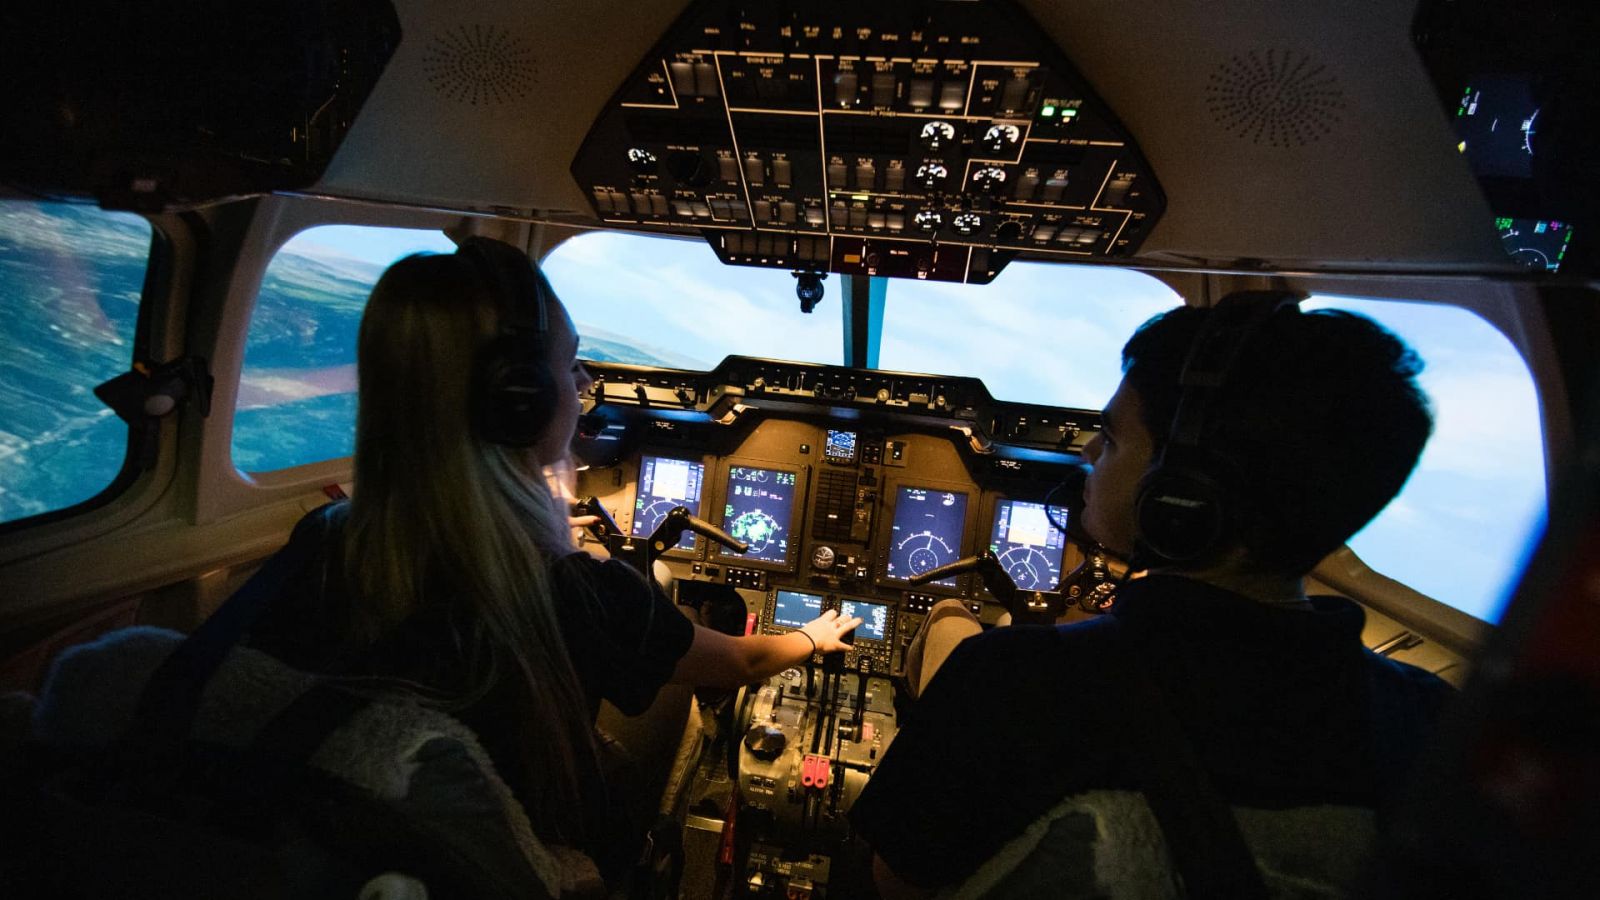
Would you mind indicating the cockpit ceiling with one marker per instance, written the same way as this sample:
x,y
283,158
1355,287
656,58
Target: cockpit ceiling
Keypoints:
x,y
1347,162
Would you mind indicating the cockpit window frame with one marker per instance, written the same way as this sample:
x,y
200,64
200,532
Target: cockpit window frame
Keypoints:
x,y
140,451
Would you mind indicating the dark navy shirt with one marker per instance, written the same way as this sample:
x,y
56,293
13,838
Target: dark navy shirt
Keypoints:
x,y
1284,707
623,635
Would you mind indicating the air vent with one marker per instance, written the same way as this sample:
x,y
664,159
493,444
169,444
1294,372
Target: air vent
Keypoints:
x,y
481,66
1275,97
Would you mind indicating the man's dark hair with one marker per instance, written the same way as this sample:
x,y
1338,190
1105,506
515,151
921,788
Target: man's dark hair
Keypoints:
x,y
1316,427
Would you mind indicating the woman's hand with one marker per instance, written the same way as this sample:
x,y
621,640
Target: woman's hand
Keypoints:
x,y
828,630
562,478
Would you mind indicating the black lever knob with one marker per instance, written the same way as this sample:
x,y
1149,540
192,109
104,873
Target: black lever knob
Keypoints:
x,y
765,742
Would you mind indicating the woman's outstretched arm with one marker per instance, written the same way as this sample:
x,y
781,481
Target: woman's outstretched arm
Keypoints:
x,y
719,660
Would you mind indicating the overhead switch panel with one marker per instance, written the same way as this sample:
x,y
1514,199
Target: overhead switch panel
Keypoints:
x,y
920,139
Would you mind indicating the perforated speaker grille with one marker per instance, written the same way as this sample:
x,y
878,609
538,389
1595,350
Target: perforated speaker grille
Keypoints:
x,y
481,66
1275,97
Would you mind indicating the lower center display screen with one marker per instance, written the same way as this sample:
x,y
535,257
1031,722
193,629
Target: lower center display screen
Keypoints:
x,y
874,618
759,510
793,609
927,532
1028,543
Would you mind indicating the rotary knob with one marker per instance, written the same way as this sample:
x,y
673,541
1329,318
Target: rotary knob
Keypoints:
x,y
822,558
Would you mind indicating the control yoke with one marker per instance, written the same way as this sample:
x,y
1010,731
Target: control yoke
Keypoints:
x,y
1089,586
641,554
679,519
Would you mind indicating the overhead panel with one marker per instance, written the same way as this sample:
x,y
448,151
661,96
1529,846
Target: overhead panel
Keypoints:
x,y
931,139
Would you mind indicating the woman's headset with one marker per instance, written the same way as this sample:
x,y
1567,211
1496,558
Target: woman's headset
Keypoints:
x,y
513,391
1185,509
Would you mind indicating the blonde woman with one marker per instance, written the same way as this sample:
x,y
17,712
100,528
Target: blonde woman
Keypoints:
x,y
453,568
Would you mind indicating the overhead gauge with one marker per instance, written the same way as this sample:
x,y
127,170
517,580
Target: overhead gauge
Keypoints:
x,y
932,175
967,223
936,134
641,160
927,221
989,178
1000,138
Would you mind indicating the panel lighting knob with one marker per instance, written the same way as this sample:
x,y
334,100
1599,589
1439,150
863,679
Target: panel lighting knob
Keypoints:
x,y
822,558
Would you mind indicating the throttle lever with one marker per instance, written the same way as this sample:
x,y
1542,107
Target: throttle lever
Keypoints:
x,y
1090,584
679,520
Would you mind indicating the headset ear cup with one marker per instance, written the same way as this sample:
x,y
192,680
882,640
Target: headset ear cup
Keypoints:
x,y
1180,514
515,399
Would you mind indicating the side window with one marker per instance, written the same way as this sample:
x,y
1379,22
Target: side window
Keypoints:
x,y
71,277
297,390
1461,527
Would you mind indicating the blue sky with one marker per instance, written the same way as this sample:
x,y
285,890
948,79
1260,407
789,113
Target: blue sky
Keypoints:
x,y
1053,334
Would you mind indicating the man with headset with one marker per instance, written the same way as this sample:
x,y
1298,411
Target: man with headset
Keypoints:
x,y
1244,444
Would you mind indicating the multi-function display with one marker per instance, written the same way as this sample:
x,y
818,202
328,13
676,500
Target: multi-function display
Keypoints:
x,y
927,531
841,446
1028,543
793,609
663,484
874,618
759,510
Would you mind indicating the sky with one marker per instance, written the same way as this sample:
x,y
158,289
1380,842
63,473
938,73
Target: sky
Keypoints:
x,y
1053,334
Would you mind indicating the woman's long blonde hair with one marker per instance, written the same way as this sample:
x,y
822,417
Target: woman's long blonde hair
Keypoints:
x,y
440,515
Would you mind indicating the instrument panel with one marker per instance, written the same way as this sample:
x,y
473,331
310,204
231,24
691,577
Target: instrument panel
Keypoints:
x,y
912,139
839,508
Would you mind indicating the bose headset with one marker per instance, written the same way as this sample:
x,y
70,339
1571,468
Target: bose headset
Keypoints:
x,y
1184,511
513,391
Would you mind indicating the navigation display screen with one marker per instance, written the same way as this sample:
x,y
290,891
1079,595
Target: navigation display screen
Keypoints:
x,y
759,511
1497,120
793,608
1537,244
1028,545
874,619
663,484
841,446
926,532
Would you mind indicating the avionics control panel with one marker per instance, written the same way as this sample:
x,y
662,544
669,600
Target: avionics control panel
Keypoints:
x,y
841,498
921,139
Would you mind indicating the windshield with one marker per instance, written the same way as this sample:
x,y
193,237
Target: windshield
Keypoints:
x,y
656,301
1040,333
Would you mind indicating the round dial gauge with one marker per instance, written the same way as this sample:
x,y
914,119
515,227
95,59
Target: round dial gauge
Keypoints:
x,y
937,133
931,175
641,160
927,221
999,138
967,223
989,178
822,558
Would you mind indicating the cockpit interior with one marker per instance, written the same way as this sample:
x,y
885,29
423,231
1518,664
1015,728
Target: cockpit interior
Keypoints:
x,y
850,281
